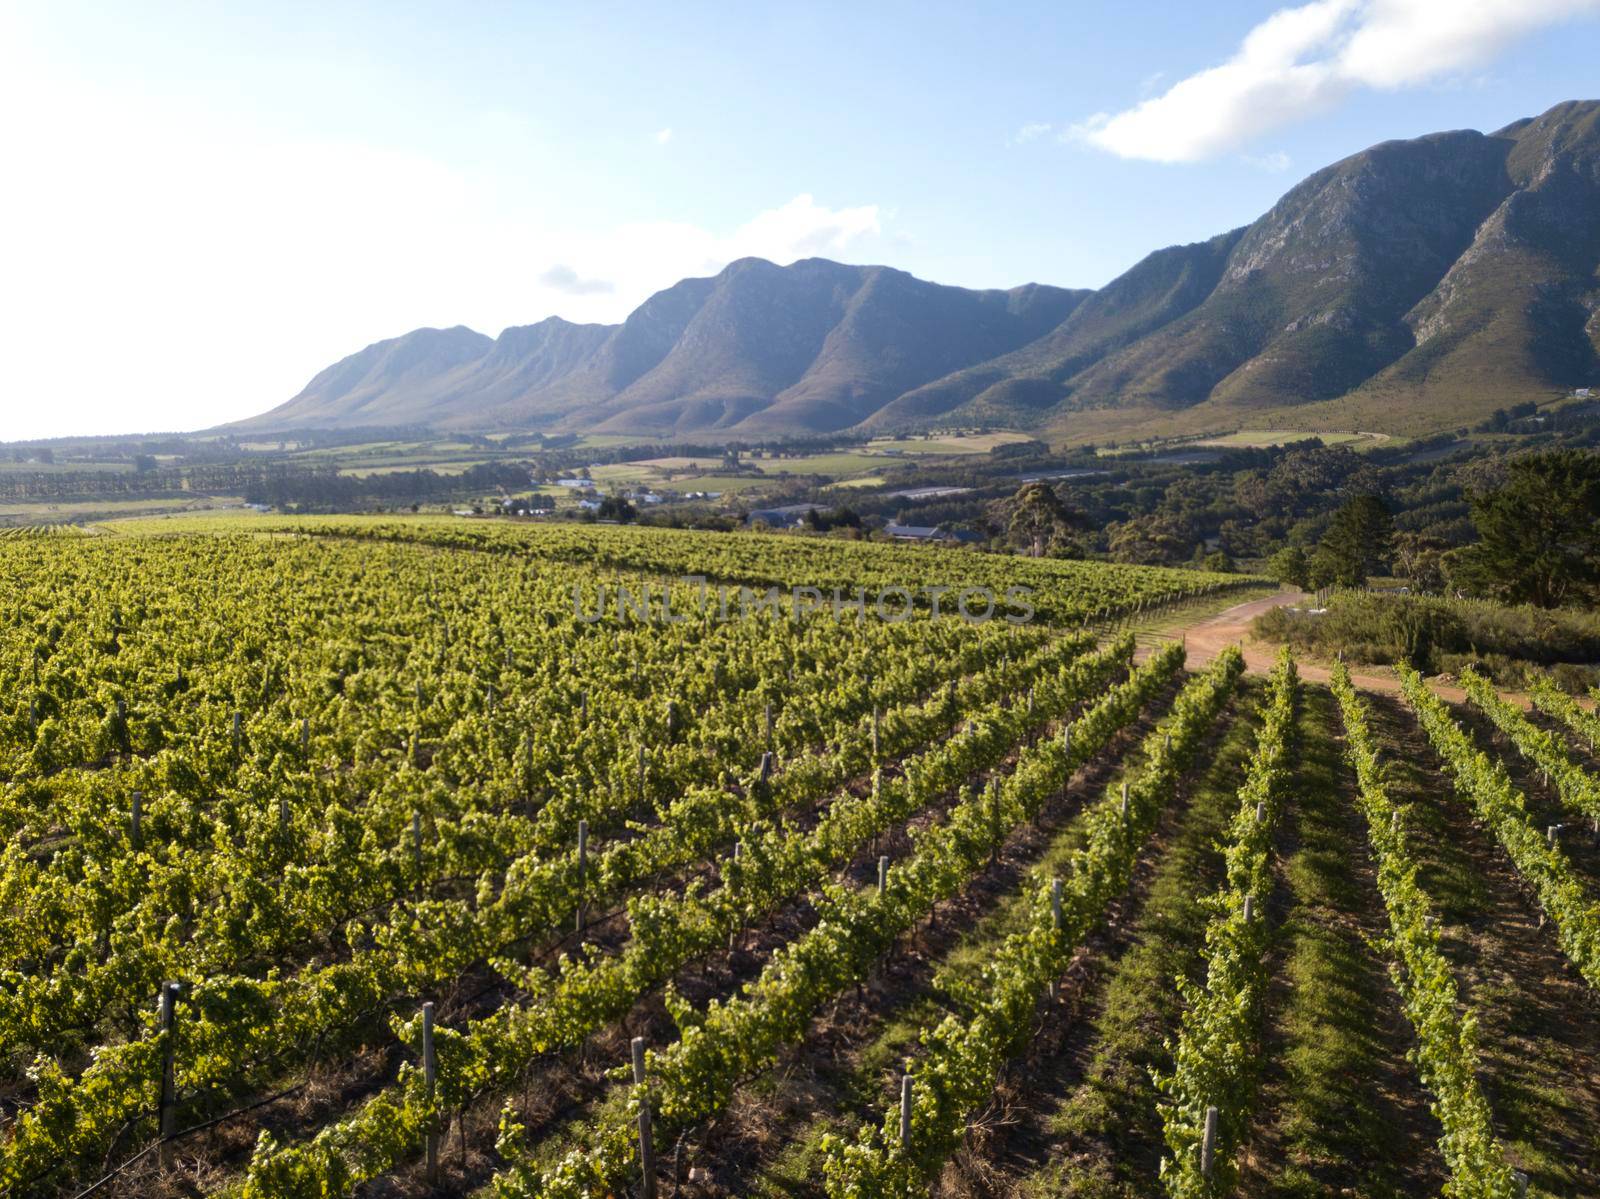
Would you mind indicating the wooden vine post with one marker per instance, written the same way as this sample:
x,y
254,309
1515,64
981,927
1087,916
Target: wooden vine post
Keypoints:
x,y
1208,1145
905,1111
647,1156
430,1080
583,862
1055,920
168,1111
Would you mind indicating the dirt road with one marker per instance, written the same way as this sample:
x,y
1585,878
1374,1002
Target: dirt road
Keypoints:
x,y
1207,638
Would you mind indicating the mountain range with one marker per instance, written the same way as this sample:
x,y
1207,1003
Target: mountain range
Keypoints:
x,y
1411,287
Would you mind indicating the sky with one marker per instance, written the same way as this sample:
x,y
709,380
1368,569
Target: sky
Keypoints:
x,y
202,205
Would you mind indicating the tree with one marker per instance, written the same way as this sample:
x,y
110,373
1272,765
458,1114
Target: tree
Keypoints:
x,y
1419,560
1323,570
1038,517
614,507
1358,542
1159,539
1538,534
1290,567
1252,493
1241,540
1218,562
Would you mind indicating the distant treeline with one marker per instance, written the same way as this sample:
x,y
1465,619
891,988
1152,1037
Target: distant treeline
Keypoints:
x,y
327,490
90,484
279,485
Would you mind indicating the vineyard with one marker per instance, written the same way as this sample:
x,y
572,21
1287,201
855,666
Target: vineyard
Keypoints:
x,y
383,857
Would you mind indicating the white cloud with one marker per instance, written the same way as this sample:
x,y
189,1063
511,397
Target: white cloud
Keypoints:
x,y
1150,82
663,136
1274,163
563,278
803,228
164,269
645,256
1032,131
1301,61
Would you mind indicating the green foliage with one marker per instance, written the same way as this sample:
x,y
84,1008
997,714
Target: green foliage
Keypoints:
x,y
1483,782
1040,519
693,1078
1447,1051
1159,538
777,862
614,507
1579,791
1214,1058
1538,534
1334,1056
1553,701
1420,560
962,1056
1434,634
1290,567
252,851
1064,592
1357,544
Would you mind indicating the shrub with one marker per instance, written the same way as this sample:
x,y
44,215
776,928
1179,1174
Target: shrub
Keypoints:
x,y
1443,635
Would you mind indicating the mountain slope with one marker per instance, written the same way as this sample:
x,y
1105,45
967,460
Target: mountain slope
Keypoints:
x,y
820,346
393,382
1447,275
525,359
758,349
1313,296
1516,312
1161,288
1413,286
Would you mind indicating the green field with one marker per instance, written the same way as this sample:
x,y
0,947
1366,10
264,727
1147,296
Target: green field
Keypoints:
x,y
844,463
7,466
1250,439
628,472
68,511
1262,438
704,474
948,443
680,463
437,466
